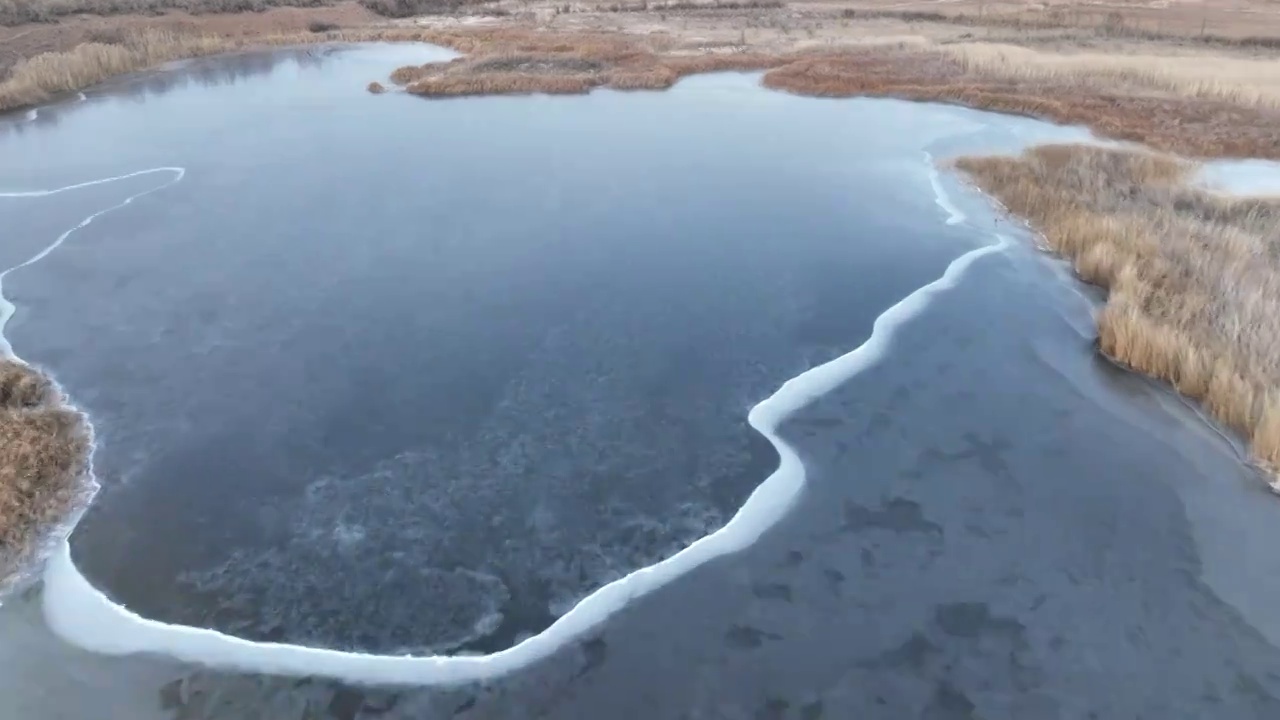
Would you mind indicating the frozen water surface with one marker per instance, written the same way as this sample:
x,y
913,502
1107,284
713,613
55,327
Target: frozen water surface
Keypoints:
x,y
709,403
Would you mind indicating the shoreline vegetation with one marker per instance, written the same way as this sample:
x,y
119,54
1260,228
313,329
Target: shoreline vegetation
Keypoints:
x,y
43,462
1193,278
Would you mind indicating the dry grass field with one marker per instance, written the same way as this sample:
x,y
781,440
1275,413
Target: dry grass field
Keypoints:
x,y
1193,279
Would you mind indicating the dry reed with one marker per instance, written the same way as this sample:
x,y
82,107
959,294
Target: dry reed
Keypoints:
x,y
44,76
1193,277
1246,82
1189,105
1188,124
1194,280
44,447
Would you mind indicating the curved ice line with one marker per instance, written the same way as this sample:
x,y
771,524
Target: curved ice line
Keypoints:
x,y
7,308
178,172
84,616
940,196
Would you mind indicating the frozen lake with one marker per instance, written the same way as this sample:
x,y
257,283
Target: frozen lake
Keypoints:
x,y
374,375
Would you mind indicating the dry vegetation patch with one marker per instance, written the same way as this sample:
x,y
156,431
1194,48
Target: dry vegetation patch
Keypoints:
x,y
1186,103
44,448
18,12
1172,97
1193,277
1245,81
1179,115
40,78
511,60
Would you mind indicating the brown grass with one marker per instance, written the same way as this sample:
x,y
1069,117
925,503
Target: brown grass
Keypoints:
x,y
42,461
503,83
1247,82
40,78
44,76
1194,278
17,12
376,88
1187,123
507,61
1173,99
685,6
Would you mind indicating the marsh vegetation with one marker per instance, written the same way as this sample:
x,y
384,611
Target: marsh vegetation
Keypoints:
x,y
1193,277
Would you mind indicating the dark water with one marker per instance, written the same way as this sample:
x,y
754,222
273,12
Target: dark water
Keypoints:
x,y
389,374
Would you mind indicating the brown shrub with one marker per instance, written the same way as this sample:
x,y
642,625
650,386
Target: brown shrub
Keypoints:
x,y
376,88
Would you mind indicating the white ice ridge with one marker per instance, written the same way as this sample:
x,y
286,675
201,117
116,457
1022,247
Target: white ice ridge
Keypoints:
x,y
940,196
6,308
82,615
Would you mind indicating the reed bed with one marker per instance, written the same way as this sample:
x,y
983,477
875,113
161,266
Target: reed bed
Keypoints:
x,y
1185,122
40,78
1193,277
44,446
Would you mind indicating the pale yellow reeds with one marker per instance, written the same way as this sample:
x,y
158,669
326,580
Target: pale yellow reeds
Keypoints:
x,y
1194,277
39,78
